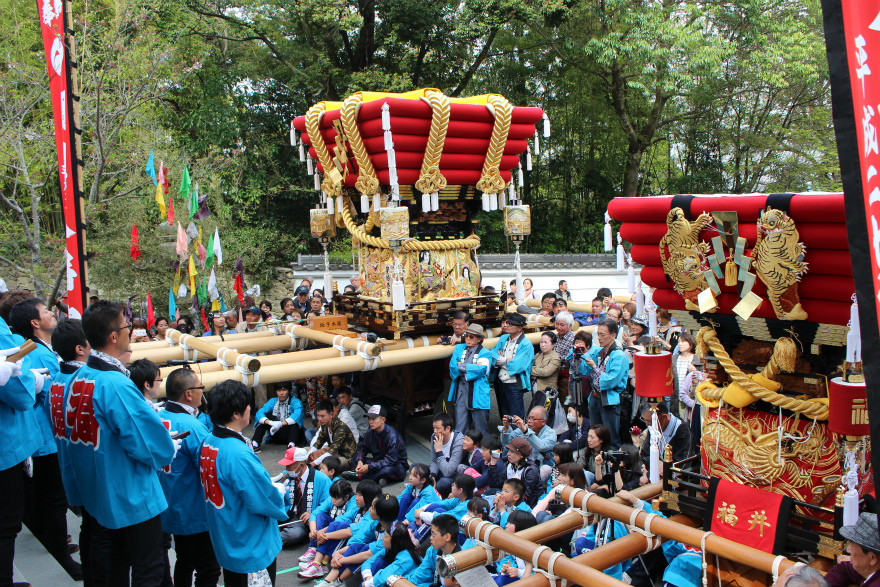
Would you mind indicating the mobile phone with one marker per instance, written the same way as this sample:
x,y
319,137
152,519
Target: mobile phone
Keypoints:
x,y
180,436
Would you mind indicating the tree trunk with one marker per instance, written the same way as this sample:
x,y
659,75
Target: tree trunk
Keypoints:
x,y
633,168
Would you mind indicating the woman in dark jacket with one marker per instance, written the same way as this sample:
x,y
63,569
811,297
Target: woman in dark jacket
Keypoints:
x,y
520,465
578,426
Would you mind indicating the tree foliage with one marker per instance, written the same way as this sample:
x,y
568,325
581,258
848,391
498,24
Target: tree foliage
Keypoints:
x,y
666,96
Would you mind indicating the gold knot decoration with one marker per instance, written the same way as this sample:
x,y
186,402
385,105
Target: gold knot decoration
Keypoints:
x,y
313,127
367,181
430,179
490,181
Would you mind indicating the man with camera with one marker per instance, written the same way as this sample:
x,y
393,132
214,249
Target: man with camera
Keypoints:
x,y
459,322
535,430
513,362
578,369
609,377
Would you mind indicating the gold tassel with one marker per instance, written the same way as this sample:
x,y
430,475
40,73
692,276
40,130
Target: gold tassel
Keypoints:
x,y
730,271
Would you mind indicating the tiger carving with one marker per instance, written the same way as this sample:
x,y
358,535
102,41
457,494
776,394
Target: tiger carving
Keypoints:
x,y
683,255
778,259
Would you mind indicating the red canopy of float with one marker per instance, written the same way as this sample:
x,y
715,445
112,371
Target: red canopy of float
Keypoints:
x,y
464,150
825,290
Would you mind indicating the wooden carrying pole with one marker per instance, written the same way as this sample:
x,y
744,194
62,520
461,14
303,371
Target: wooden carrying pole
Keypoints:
x,y
306,355
237,342
559,526
287,372
729,549
540,556
159,344
355,345
221,353
607,555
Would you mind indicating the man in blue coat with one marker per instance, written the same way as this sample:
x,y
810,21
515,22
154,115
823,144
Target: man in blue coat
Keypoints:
x,y
46,502
469,371
185,517
19,424
242,504
514,355
117,445
609,376
381,453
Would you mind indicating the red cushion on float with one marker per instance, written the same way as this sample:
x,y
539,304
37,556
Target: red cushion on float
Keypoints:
x,y
447,161
417,143
420,109
820,261
815,207
812,234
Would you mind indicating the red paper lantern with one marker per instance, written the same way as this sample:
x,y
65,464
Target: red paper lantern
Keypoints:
x,y
653,374
848,408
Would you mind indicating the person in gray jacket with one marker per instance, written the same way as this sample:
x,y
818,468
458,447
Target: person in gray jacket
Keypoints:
x,y
447,452
356,408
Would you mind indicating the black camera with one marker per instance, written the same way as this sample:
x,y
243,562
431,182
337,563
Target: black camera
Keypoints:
x,y
613,456
579,351
446,339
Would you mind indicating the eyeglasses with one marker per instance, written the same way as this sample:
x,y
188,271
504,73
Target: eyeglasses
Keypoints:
x,y
123,327
469,335
202,387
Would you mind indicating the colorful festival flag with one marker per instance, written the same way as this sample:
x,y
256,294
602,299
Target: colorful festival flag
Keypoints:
x,y
218,252
135,247
150,169
202,253
163,178
160,199
151,314
222,304
239,290
203,211
172,305
194,202
210,258
185,183
182,241
192,275
170,211
212,287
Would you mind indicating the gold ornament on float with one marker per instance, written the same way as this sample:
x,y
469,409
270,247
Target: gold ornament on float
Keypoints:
x,y
319,222
394,223
517,220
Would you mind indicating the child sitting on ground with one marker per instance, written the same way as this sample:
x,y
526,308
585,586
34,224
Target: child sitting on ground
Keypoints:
x,y
461,493
511,568
550,506
342,506
509,500
479,508
399,557
472,459
418,492
444,540
348,560
360,529
495,469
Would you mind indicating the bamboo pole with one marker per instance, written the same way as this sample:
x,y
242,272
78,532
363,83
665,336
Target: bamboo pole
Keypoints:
x,y
607,555
468,559
158,344
286,372
729,549
541,556
219,352
536,320
237,342
355,345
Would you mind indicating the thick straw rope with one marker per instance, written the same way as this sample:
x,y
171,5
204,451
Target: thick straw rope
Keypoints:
x,y
490,180
783,357
430,179
367,182
412,245
313,127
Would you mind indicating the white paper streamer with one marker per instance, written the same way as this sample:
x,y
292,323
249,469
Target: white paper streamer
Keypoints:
x,y
365,204
502,201
630,275
339,204
330,206
435,201
493,202
292,135
426,203
537,145
310,169
302,152
621,265
528,158
546,126
609,244
485,202
317,183
377,202
520,177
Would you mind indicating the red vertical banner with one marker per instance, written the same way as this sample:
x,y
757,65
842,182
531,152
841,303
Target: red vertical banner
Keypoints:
x,y
852,42
52,20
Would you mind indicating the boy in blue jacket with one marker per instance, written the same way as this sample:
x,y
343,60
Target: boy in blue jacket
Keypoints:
x,y
462,492
185,517
444,541
243,506
117,445
19,421
281,417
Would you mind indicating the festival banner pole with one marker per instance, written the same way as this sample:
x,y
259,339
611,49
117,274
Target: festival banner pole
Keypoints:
x,y
852,42
55,22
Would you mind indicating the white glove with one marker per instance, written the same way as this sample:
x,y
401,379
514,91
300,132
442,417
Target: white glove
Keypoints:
x,y
275,427
7,369
290,422
280,489
263,420
41,377
178,442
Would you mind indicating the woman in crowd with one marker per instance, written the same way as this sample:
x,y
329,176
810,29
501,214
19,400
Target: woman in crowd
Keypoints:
x,y
668,328
530,290
686,362
598,441
629,312
637,328
545,369
185,325
266,308
139,330
217,324
578,429
161,327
